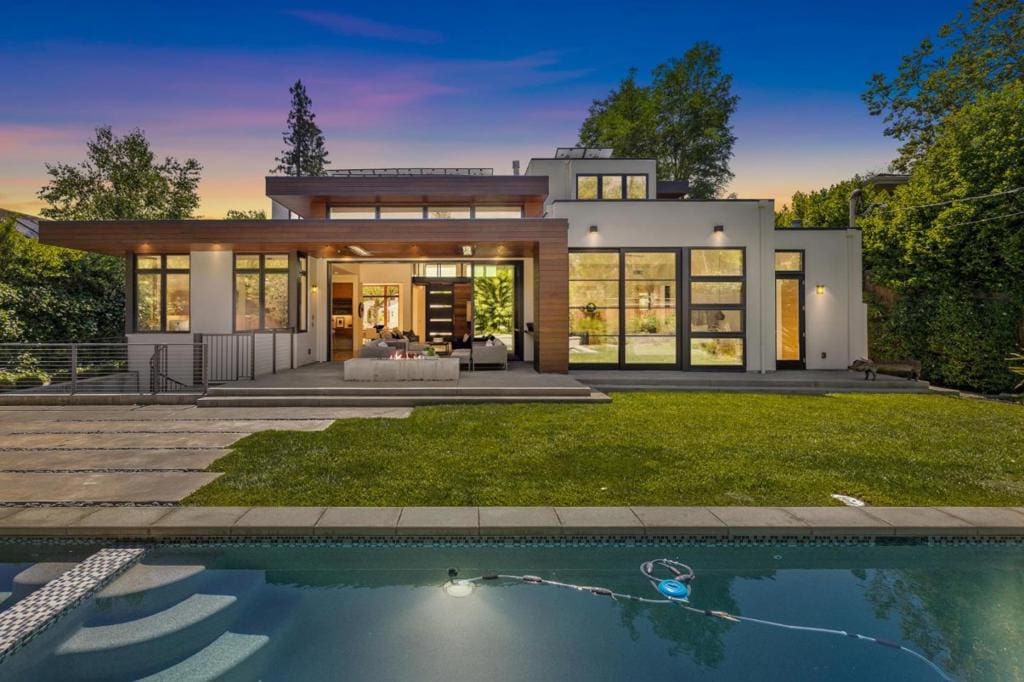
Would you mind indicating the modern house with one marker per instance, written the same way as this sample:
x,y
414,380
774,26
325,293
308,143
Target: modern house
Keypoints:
x,y
584,260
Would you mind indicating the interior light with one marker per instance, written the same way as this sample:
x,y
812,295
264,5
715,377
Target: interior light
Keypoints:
x,y
819,289
719,228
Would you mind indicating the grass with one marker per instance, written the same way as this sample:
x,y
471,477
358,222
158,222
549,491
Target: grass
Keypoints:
x,y
644,449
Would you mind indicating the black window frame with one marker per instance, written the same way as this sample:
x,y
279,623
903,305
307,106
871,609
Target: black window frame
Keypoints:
x,y
691,306
163,271
262,271
625,184
425,210
801,279
302,292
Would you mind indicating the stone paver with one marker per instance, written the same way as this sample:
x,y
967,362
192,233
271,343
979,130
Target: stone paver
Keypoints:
x,y
117,521
358,521
439,521
921,521
78,441
166,486
162,426
599,521
668,521
831,521
518,521
79,460
989,520
282,521
198,521
756,521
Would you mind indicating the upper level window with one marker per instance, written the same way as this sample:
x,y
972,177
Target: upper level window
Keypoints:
x,y
401,212
490,212
448,212
162,293
611,187
261,291
353,213
789,261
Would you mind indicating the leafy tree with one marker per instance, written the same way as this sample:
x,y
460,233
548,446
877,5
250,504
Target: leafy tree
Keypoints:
x,y
950,248
494,303
682,119
974,54
827,207
306,152
53,294
253,214
121,179
624,121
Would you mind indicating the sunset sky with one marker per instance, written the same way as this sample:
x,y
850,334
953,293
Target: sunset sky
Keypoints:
x,y
432,83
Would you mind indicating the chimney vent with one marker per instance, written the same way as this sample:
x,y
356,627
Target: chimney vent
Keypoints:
x,y
515,167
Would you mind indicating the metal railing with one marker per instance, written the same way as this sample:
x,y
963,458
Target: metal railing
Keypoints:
x,y
102,368
247,355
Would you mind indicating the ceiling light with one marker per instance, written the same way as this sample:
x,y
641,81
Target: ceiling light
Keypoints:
x,y
467,250
359,251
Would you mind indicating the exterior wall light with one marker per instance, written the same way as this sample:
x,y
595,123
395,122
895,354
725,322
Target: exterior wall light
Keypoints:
x,y
719,228
593,229
314,288
467,250
819,289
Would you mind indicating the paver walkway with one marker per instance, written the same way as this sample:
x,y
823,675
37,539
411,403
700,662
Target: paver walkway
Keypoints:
x,y
137,454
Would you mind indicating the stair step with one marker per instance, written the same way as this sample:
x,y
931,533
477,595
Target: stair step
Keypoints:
x,y
374,391
146,589
148,644
390,401
37,575
146,578
3,598
221,660
753,388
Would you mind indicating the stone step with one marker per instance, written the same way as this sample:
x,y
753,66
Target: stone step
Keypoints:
x,y
223,660
403,391
391,401
147,589
146,645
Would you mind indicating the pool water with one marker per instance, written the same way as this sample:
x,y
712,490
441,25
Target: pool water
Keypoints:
x,y
360,612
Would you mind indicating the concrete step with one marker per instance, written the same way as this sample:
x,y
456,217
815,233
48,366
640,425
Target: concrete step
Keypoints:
x,y
756,388
223,660
146,589
4,596
146,645
402,391
391,401
695,381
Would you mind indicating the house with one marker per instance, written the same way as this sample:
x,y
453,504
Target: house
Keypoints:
x,y
25,224
584,260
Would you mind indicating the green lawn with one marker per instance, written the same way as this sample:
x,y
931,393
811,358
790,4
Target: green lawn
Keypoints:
x,y
644,449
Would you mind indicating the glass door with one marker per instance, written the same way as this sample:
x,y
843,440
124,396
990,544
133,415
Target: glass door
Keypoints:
x,y
650,327
789,310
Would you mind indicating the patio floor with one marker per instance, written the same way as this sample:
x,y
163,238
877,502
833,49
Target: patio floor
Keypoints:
x,y
781,381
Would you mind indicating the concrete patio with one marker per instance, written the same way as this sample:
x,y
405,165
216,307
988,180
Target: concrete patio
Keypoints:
x,y
133,454
781,381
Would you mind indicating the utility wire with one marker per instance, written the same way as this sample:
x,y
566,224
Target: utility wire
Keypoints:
x,y
980,196
985,220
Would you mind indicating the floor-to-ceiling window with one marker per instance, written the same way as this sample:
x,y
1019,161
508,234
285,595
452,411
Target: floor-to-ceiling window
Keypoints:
x,y
651,336
717,308
381,306
594,307
494,303
789,310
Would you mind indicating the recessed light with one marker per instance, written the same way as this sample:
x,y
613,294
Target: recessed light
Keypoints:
x,y
467,250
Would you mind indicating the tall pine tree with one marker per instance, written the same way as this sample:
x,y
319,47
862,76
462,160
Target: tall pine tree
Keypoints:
x,y
306,152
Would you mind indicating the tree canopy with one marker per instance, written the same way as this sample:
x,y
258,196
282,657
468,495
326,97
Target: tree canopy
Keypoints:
x,y
974,54
251,214
306,151
682,119
121,179
828,207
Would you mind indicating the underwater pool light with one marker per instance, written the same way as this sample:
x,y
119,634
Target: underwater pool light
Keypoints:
x,y
458,588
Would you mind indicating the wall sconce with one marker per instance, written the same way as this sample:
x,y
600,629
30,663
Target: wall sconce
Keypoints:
x,y
593,229
719,228
819,289
314,288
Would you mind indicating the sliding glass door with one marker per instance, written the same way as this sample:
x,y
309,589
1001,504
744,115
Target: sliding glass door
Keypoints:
x,y
651,330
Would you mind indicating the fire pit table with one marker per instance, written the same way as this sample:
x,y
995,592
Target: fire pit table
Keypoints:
x,y
417,368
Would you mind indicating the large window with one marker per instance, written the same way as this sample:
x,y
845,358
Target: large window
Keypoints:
x,y
430,212
717,307
381,306
162,293
594,307
611,187
303,292
401,212
448,212
261,291
650,307
494,302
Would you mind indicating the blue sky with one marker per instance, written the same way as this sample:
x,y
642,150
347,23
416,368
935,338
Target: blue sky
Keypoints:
x,y
432,83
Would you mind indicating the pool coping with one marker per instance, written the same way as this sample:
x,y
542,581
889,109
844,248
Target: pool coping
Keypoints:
x,y
166,522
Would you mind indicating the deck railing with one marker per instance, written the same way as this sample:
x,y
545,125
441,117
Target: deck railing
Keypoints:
x,y
247,355
102,368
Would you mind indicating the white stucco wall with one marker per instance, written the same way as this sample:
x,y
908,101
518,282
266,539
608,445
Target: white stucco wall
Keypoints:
x,y
212,291
836,321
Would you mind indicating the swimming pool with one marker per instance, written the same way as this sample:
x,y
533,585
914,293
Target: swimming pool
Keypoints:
x,y
379,612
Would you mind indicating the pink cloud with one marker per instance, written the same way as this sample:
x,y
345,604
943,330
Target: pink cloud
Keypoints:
x,y
359,27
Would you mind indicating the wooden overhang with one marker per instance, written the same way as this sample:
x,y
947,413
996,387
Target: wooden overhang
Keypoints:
x,y
309,197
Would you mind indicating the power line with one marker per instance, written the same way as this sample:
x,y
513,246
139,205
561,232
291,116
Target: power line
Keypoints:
x,y
981,196
985,220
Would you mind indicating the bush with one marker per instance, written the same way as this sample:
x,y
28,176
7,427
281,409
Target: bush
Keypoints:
x,y
967,343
